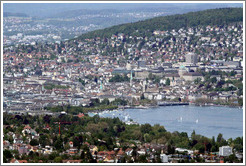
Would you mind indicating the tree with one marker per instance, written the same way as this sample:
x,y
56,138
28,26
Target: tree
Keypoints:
x,y
77,141
105,102
168,82
143,159
197,81
193,134
240,101
58,160
7,154
119,101
53,155
213,141
219,138
95,79
142,97
34,142
200,147
58,144
170,149
214,80
147,137
145,128
232,158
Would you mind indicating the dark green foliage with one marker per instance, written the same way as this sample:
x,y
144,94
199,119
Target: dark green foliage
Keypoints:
x,y
192,19
53,86
238,144
7,154
58,143
103,134
58,160
82,81
34,142
105,102
168,82
154,78
146,128
119,78
119,101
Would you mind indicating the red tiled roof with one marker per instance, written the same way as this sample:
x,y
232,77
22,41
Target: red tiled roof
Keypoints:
x,y
27,127
22,161
80,115
71,161
121,152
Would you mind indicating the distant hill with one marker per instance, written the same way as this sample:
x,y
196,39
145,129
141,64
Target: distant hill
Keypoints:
x,y
201,18
49,9
9,14
75,13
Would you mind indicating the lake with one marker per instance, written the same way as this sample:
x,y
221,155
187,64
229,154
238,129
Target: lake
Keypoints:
x,y
208,121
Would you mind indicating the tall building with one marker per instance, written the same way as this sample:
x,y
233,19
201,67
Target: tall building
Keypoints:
x,y
131,79
191,58
144,86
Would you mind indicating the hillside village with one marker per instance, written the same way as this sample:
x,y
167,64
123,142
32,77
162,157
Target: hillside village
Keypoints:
x,y
38,141
192,70
50,88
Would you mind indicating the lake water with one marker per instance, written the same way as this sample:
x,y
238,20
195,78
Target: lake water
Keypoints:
x,y
207,121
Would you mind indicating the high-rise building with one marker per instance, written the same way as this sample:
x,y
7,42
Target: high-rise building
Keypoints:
x,y
191,58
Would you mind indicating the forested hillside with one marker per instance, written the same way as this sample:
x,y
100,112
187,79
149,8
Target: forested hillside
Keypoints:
x,y
202,18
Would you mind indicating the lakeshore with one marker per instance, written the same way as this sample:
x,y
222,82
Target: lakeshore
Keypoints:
x,y
205,120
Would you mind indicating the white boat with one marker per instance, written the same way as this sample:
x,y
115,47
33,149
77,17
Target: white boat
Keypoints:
x,y
197,121
180,119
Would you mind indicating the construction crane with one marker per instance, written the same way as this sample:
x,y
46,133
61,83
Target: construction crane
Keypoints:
x,y
205,146
68,123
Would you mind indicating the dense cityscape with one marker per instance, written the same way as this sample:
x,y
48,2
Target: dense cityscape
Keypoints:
x,y
23,29
52,87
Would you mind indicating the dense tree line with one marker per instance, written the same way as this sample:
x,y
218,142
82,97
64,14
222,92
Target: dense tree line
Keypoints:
x,y
119,78
218,17
104,133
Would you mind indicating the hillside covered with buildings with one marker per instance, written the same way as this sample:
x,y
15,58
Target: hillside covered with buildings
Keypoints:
x,y
194,58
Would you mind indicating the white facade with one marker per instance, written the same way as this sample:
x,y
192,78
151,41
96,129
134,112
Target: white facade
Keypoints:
x,y
191,58
164,158
225,151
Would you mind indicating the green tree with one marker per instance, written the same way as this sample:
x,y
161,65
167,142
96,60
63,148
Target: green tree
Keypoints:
x,y
34,142
105,102
58,160
7,154
197,81
219,137
214,80
143,159
146,128
58,144
168,82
